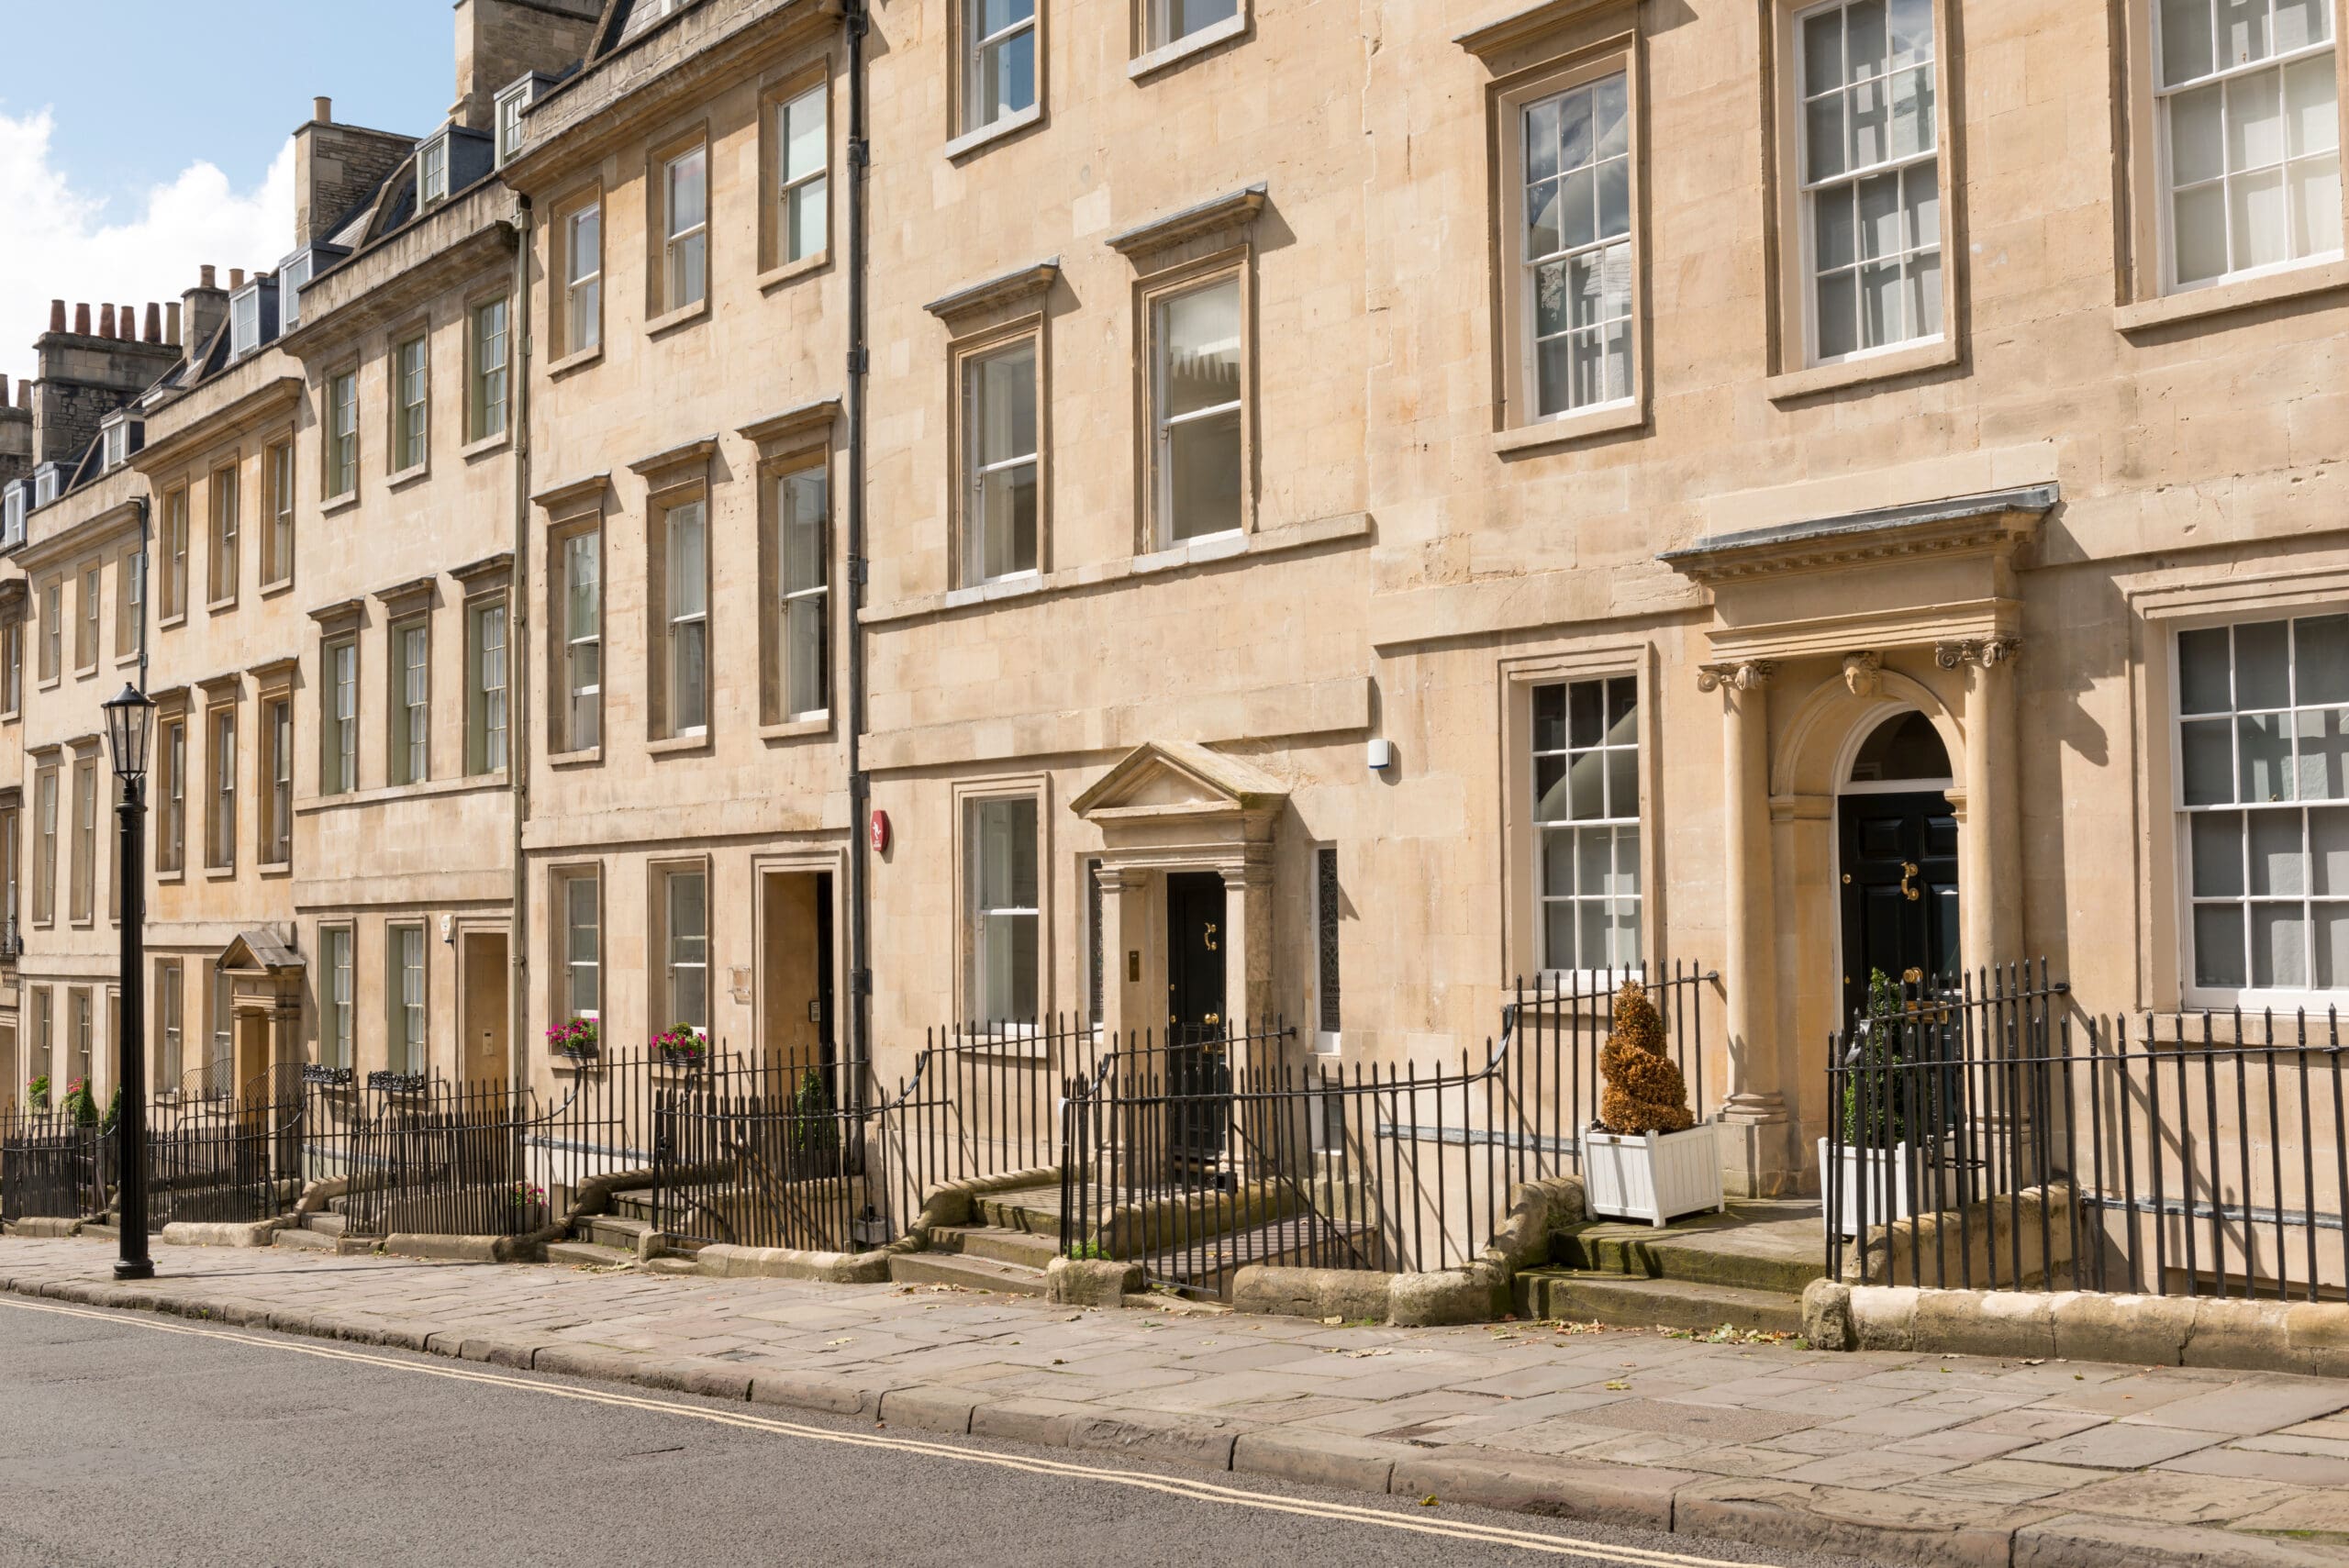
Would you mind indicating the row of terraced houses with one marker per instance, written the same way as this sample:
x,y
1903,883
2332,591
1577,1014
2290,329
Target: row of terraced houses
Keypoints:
x,y
813,521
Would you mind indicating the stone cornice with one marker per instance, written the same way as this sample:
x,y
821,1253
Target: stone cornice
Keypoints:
x,y
1533,21
1995,523
1035,279
1230,210
278,394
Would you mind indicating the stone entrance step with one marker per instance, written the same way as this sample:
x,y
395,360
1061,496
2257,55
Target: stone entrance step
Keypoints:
x,y
613,1232
1770,1245
1033,1210
996,1242
1572,1296
590,1254
973,1273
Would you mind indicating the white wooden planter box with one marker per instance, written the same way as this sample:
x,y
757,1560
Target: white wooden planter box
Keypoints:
x,y
1652,1176
1884,1172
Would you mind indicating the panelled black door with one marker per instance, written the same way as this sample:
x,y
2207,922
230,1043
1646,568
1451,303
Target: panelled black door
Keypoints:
x,y
1198,1074
1897,857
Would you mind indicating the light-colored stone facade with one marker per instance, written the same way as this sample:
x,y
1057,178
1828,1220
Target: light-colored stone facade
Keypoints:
x,y
1761,553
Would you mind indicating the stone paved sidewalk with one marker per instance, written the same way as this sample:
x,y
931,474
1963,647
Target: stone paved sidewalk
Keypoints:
x,y
1902,1458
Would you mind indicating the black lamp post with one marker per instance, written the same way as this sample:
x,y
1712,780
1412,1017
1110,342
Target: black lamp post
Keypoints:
x,y
130,719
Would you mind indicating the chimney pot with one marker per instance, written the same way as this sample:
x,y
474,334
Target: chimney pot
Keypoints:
x,y
126,322
4,391
322,109
24,395
106,320
236,277
206,275
171,322
81,320
155,323
57,316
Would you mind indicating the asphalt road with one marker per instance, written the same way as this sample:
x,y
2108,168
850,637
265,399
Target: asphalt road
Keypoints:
x,y
130,1439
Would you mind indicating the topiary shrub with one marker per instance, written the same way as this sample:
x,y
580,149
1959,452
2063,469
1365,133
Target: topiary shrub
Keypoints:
x,y
1644,1089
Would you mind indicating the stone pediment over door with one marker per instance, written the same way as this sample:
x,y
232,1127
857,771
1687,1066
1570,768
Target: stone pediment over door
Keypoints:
x,y
1171,796
259,953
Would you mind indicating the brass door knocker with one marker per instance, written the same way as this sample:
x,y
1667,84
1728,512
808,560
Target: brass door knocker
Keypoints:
x,y
1211,937
1908,870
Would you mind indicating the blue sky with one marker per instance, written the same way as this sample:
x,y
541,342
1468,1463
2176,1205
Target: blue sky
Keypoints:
x,y
134,145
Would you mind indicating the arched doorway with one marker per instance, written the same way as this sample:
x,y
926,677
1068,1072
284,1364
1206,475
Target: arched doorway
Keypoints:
x,y
1897,856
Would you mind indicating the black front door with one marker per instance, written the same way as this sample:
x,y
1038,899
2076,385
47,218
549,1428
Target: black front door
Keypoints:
x,y
1193,957
1897,856
1198,1075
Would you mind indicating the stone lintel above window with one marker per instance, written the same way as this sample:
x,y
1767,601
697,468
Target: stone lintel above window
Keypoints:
x,y
673,467
486,575
16,600
1234,210
1010,287
800,426
171,702
343,614
1530,22
274,677
222,687
574,497
404,598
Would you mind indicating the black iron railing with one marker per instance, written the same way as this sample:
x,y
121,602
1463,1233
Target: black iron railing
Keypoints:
x,y
1988,1136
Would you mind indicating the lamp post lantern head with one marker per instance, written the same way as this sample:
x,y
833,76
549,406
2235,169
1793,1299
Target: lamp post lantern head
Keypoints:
x,y
130,717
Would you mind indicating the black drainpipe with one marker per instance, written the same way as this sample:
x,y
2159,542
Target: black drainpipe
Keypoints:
x,y
859,788
146,588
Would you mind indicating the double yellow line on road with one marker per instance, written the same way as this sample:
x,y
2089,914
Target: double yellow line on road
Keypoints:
x,y
1169,1486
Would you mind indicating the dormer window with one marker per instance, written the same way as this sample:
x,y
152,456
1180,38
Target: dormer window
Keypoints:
x,y
12,514
432,171
292,275
244,321
46,480
511,104
119,437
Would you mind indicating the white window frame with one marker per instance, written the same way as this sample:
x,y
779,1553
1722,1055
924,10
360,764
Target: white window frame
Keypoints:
x,y
293,276
573,884
86,624
803,191
226,495
2227,78
2250,994
687,621
989,924
342,435
1164,426
1850,178
1160,34
221,828
580,646
406,1022
432,171
244,321
488,331
804,598
412,713
487,628
507,115
1596,250
583,289
339,735
277,842
679,257
981,49
1611,821
169,1025
335,1002
278,568
171,847
175,526
411,404
979,470
677,959
45,784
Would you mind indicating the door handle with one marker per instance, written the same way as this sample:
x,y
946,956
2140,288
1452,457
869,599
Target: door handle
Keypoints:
x,y
1908,870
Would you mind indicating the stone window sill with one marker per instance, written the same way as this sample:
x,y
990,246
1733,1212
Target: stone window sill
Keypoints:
x,y
677,744
408,476
283,586
995,130
327,508
1931,354
585,756
275,868
219,873
573,361
776,276
1626,415
2243,294
1182,49
487,445
171,878
670,321
168,622
797,727
219,607
350,798
1200,552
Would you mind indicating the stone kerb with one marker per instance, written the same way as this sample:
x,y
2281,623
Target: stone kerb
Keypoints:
x,y
2308,1337
1475,1293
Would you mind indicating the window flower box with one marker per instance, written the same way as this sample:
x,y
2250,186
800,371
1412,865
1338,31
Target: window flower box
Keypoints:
x,y
579,1040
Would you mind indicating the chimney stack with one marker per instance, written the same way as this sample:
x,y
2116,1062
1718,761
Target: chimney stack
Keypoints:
x,y
322,110
106,320
82,320
235,278
155,323
205,277
57,316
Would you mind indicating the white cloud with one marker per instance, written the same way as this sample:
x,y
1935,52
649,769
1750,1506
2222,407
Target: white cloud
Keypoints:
x,y
69,244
